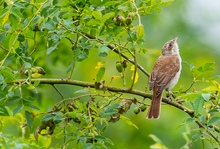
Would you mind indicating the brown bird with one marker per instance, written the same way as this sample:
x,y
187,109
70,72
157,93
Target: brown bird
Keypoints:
x,y
165,75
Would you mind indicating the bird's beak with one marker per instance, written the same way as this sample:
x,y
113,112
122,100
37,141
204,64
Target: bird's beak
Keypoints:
x,y
175,39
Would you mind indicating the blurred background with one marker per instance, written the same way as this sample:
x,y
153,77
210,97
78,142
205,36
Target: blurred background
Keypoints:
x,y
195,22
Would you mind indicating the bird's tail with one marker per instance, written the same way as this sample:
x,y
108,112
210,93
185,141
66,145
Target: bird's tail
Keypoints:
x,y
154,111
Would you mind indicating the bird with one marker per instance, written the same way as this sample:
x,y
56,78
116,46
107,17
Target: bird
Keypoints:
x,y
164,76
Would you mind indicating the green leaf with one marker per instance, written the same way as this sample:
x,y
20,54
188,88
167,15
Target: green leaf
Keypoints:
x,y
104,139
100,74
206,67
47,117
8,75
112,109
18,109
97,15
21,38
2,36
19,5
206,96
69,23
32,106
109,3
213,120
53,47
196,136
128,121
198,104
70,67
3,111
155,138
3,12
123,8
16,12
82,91
29,118
108,16
140,31
103,51
94,23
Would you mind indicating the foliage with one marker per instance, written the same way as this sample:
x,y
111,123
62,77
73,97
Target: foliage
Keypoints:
x,y
38,36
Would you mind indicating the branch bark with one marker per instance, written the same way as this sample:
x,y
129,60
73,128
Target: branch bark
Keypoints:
x,y
116,89
109,88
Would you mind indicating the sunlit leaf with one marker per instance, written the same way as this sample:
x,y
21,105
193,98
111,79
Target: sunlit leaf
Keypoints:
x,y
108,16
128,121
97,15
134,76
100,74
140,31
198,104
16,12
5,19
155,138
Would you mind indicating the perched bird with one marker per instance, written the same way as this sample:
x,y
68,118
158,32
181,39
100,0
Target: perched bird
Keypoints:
x,y
164,76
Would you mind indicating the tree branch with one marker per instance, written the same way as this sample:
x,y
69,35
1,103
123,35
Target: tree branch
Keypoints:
x,y
116,89
109,88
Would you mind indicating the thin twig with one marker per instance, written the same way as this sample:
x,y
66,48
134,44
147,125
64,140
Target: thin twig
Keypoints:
x,y
3,48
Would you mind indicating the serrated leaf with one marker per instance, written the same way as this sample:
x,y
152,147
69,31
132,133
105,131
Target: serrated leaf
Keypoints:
x,y
128,121
100,74
29,118
213,120
3,111
198,104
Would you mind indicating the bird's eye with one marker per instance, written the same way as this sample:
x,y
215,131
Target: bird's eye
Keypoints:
x,y
170,44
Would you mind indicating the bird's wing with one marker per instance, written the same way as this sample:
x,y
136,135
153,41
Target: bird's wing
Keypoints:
x,y
164,70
